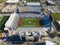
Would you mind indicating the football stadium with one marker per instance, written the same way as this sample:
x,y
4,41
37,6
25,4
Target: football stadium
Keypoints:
x,y
28,22
27,16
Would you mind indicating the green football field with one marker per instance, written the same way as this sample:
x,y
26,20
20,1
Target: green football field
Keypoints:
x,y
30,22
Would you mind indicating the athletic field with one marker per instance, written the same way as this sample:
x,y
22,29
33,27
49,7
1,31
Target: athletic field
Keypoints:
x,y
29,22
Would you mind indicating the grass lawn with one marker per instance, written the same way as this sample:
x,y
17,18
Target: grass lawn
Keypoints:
x,y
30,22
56,16
1,31
1,1
32,0
3,21
0,18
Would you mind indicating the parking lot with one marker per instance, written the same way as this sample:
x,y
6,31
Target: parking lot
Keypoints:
x,y
53,9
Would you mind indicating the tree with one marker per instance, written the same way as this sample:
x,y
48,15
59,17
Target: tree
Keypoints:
x,y
53,34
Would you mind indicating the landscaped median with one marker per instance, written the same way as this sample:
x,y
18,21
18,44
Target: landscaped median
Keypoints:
x,y
56,16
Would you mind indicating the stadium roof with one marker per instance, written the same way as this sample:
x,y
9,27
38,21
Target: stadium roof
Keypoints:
x,y
33,3
12,1
22,15
10,21
30,8
29,11
34,15
33,29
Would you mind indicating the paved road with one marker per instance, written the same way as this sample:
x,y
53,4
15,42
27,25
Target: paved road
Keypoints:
x,y
5,14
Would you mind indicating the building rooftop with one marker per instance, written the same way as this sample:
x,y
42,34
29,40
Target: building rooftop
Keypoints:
x,y
30,11
12,1
10,21
30,8
33,3
51,2
49,43
9,8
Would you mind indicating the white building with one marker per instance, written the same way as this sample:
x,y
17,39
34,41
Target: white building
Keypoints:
x,y
12,22
50,43
51,2
58,22
33,3
12,1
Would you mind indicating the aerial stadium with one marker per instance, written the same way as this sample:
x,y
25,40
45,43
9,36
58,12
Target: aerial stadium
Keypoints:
x,y
28,22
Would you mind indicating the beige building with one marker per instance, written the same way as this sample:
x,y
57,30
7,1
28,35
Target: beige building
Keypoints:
x,y
1,6
9,8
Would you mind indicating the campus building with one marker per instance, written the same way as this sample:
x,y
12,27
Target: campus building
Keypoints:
x,y
12,1
12,22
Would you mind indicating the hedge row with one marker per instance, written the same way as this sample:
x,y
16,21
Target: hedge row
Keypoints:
x,y
3,21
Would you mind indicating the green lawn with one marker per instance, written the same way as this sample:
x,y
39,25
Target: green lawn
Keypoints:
x,y
32,0
56,16
30,22
3,21
0,18
1,31
1,1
